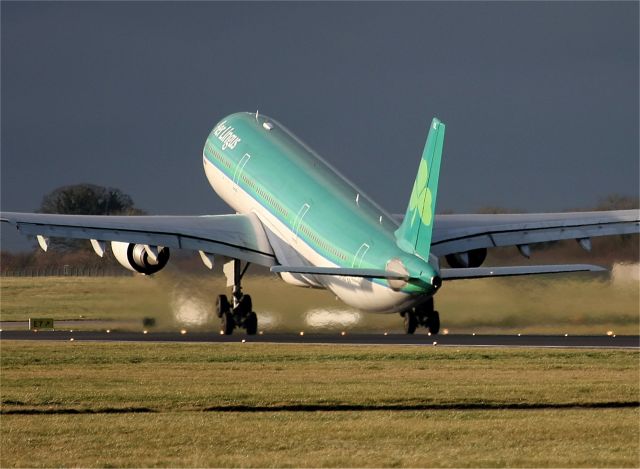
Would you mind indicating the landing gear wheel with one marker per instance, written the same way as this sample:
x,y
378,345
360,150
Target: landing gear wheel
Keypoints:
x,y
245,305
240,312
222,305
433,323
228,323
251,323
410,322
427,305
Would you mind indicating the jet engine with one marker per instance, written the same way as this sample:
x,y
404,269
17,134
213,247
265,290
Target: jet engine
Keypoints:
x,y
140,258
472,258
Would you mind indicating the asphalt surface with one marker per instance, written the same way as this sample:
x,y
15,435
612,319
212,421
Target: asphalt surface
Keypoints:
x,y
452,340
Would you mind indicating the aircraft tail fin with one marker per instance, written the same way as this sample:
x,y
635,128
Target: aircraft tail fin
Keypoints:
x,y
414,234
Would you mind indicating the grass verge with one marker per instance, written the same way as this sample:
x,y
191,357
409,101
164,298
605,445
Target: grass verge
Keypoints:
x,y
574,304
184,405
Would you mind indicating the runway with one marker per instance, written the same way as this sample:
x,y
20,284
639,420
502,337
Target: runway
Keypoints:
x,y
452,340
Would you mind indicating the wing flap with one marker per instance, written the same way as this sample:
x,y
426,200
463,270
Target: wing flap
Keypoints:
x,y
485,272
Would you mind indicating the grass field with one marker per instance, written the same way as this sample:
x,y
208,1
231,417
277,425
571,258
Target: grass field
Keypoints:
x,y
575,304
136,405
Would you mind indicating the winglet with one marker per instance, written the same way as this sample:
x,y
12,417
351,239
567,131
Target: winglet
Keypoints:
x,y
414,235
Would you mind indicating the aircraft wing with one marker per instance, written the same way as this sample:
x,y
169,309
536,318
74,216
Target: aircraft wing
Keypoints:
x,y
461,233
236,236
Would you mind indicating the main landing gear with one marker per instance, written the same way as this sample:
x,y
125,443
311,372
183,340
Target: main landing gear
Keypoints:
x,y
239,312
422,315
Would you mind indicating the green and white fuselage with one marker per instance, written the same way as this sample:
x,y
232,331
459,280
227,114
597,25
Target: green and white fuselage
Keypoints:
x,y
312,214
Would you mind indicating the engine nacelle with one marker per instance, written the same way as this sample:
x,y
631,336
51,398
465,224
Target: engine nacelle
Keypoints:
x,y
140,258
473,258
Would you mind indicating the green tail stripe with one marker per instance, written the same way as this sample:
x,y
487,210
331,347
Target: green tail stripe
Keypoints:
x,y
414,235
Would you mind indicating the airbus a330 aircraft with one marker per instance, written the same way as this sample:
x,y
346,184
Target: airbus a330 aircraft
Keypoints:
x,y
313,227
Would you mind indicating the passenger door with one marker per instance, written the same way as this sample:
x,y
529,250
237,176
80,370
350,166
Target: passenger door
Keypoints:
x,y
239,169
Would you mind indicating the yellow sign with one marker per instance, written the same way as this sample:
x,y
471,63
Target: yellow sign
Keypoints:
x,y
40,323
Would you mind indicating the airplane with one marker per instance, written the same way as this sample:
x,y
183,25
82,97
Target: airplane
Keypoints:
x,y
309,224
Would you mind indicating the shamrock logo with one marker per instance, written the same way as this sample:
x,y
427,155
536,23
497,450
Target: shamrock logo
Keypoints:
x,y
420,202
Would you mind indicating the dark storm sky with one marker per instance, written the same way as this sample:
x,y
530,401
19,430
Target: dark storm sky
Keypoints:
x,y
540,99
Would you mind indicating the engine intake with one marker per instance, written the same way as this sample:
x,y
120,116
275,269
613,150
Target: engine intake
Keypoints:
x,y
140,258
473,258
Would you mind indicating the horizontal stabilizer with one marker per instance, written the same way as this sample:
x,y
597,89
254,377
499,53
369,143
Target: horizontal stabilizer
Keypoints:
x,y
484,272
339,271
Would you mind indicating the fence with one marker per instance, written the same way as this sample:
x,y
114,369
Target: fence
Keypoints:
x,y
68,271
